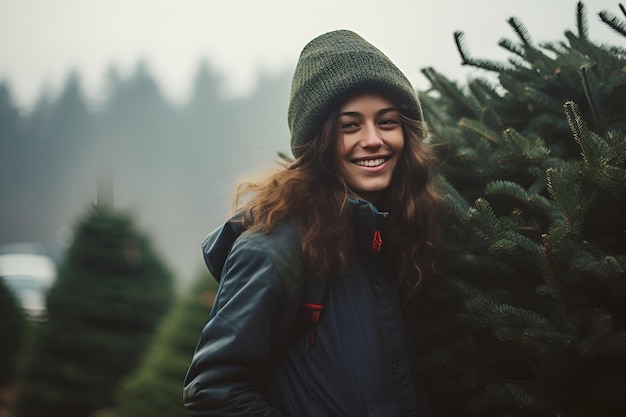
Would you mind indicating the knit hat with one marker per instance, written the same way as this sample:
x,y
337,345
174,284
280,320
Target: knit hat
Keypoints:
x,y
333,67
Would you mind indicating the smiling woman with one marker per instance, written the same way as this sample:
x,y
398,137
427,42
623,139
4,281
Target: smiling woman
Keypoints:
x,y
342,235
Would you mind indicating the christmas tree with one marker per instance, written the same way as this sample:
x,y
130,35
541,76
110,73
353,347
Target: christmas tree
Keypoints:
x,y
528,317
110,296
12,326
167,361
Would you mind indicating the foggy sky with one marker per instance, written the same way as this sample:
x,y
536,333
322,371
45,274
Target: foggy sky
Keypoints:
x,y
41,41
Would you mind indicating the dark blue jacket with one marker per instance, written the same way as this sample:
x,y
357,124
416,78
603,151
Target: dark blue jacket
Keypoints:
x,y
251,362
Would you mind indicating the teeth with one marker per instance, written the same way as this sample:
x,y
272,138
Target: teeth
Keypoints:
x,y
371,162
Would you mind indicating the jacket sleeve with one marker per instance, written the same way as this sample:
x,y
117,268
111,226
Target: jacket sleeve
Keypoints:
x,y
251,319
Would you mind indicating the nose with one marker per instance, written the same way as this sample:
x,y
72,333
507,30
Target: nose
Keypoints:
x,y
371,137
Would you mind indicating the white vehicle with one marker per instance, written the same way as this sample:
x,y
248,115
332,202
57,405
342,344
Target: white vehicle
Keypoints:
x,y
29,276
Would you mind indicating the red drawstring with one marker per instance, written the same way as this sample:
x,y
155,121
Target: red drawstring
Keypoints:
x,y
377,242
316,311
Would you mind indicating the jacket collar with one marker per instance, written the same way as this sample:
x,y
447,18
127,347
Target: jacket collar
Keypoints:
x,y
217,244
364,205
369,232
370,226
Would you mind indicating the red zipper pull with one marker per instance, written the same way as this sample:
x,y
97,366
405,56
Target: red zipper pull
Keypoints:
x,y
377,242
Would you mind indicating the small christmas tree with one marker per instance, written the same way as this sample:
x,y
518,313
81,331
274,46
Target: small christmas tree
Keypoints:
x,y
529,318
111,293
12,326
167,361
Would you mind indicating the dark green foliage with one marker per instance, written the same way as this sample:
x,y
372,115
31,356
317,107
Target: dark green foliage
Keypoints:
x,y
11,331
111,293
530,317
155,390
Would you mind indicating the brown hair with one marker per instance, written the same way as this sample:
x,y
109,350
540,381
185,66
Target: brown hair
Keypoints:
x,y
314,196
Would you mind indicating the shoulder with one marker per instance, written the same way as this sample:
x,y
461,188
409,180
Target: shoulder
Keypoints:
x,y
281,247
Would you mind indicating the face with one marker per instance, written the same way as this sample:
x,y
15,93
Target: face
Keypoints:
x,y
369,144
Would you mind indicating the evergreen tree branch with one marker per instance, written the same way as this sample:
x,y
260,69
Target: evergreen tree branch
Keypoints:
x,y
286,158
481,129
613,181
510,398
581,21
558,48
602,338
532,250
560,193
511,47
433,113
531,150
459,40
487,224
478,63
487,97
546,101
454,201
483,91
550,276
590,87
613,21
452,90
516,191
595,150
521,31
613,81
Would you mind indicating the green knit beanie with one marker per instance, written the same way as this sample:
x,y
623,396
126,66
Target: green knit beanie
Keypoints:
x,y
332,68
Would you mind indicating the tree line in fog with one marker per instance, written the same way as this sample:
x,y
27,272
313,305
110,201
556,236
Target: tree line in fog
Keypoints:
x,y
172,167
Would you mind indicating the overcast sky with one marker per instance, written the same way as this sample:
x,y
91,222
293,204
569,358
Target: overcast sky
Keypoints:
x,y
42,40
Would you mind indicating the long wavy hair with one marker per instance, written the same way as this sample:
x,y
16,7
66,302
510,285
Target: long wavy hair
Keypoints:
x,y
311,193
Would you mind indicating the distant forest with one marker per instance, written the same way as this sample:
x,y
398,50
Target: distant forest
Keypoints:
x,y
172,167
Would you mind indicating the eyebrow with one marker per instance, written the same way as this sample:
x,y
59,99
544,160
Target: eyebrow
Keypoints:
x,y
378,113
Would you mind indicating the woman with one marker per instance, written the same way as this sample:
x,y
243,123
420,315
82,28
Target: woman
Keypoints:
x,y
352,215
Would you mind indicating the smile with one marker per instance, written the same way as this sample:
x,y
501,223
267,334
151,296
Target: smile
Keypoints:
x,y
370,162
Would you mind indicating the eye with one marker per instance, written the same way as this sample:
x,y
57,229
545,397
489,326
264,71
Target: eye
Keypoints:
x,y
349,126
389,123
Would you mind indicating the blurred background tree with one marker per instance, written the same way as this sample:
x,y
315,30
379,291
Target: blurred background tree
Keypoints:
x,y
155,389
12,327
163,158
11,330
111,294
530,317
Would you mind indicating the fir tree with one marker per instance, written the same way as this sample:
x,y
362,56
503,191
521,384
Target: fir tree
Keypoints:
x,y
166,363
530,317
111,293
11,331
